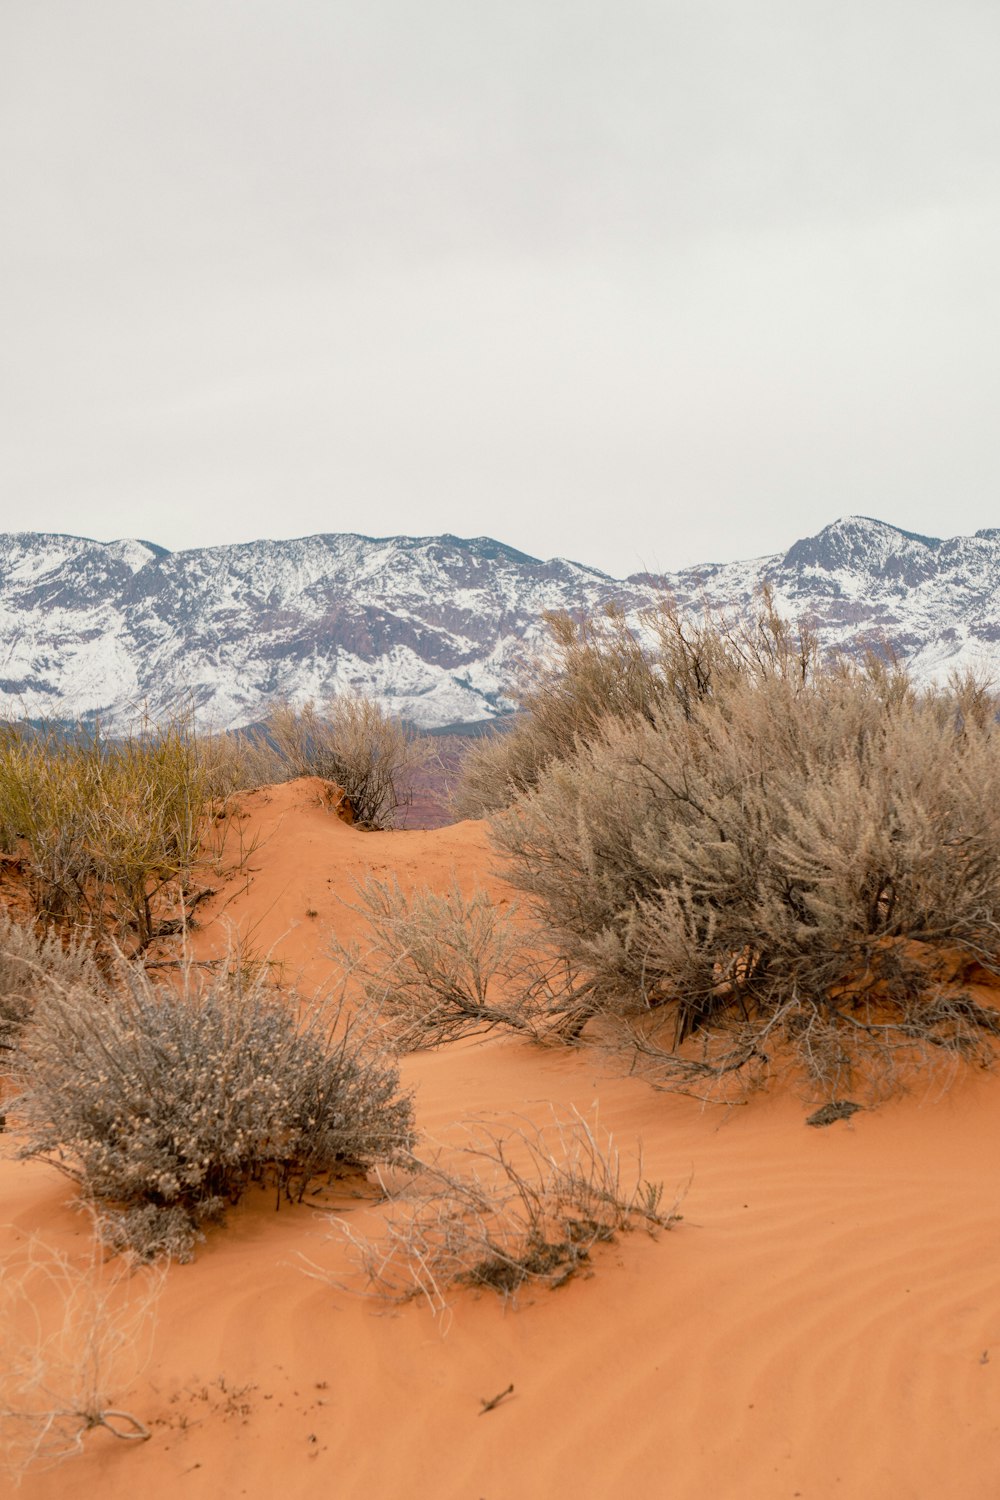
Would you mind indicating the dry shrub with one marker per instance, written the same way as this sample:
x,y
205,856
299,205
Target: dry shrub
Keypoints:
x,y
30,962
529,1208
793,831
442,966
602,669
352,742
593,668
74,1337
494,769
165,1104
237,761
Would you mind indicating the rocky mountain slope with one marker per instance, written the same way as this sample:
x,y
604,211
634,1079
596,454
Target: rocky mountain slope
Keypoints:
x,y
433,626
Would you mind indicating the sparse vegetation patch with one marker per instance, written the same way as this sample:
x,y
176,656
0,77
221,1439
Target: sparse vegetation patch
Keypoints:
x,y
527,1206
75,1334
442,965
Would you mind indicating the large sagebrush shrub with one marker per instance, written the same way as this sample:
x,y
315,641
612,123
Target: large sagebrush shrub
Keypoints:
x,y
612,667
167,1103
794,833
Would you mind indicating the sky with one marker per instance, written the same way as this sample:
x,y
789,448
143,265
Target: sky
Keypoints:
x,y
645,283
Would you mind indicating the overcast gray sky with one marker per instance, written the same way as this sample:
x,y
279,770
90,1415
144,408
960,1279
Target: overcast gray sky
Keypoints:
x,y
643,282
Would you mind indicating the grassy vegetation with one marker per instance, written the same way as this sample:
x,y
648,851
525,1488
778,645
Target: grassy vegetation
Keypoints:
x,y
104,826
108,828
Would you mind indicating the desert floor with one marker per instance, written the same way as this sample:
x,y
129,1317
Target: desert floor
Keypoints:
x,y
824,1321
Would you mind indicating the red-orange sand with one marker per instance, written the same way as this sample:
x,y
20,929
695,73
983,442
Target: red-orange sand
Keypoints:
x,y
824,1322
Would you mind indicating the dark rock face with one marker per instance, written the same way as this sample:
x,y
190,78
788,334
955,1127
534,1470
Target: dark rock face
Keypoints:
x,y
858,544
433,626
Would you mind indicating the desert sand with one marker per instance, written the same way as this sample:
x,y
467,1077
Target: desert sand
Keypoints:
x,y
824,1321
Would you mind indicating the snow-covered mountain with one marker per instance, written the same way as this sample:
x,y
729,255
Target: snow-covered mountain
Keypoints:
x,y
432,626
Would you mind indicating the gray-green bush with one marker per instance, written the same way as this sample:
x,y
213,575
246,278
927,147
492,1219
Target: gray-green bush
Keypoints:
x,y
787,832
167,1103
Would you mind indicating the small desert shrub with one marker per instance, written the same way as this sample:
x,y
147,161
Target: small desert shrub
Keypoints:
x,y
106,825
165,1104
602,669
441,966
30,963
353,742
75,1335
793,833
529,1208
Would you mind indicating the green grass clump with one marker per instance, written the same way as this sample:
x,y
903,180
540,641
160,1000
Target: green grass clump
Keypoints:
x,y
104,825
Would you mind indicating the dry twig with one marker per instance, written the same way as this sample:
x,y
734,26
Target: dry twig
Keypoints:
x,y
74,1337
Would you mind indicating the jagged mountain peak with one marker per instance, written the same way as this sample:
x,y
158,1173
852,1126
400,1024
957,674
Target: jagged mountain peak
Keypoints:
x,y
858,543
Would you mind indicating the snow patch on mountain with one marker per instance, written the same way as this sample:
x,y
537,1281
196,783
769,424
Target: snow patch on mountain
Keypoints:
x,y
435,627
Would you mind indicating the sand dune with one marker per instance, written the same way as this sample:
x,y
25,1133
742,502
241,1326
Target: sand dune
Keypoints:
x,y
825,1321
295,884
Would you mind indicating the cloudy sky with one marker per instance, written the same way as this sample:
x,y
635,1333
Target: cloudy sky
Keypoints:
x,y
641,282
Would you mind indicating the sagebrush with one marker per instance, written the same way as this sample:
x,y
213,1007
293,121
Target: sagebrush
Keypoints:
x,y
772,828
617,668
353,742
441,965
165,1103
31,961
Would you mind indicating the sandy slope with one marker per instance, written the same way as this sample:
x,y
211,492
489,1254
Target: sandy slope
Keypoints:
x,y
300,865
824,1322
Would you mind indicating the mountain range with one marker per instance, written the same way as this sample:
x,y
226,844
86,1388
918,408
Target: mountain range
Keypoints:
x,y
434,627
